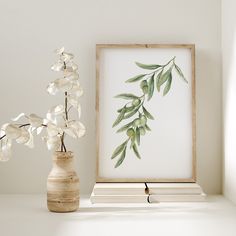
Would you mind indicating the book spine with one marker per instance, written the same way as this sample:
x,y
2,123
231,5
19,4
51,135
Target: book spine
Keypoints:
x,y
118,192
151,191
175,191
144,198
118,199
178,198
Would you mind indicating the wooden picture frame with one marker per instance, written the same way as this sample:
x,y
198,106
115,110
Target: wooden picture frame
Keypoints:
x,y
175,47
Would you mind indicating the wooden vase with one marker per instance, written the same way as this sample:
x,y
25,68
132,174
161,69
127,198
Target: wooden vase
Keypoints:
x,y
63,184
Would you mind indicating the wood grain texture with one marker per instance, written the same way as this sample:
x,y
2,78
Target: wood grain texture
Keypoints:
x,y
193,178
142,180
194,136
63,184
97,108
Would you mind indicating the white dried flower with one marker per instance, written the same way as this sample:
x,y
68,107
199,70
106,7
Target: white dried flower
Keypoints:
x,y
58,66
60,50
58,121
12,131
75,129
35,120
53,142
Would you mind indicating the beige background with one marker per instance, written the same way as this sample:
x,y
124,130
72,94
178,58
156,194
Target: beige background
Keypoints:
x,y
30,30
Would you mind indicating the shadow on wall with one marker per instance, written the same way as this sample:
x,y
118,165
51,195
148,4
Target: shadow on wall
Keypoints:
x,y
208,90
229,113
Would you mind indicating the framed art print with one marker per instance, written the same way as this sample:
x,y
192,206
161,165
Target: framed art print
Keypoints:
x,y
145,108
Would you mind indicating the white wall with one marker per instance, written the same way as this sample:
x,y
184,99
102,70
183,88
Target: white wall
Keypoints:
x,y
30,30
229,96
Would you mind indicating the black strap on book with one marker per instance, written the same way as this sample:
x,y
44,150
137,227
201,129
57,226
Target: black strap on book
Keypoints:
x,y
147,192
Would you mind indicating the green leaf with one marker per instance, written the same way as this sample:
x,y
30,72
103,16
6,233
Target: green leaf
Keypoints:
x,y
147,127
132,141
137,136
168,85
150,87
147,114
135,78
125,127
126,96
158,81
120,117
148,67
135,149
126,108
142,131
131,108
121,159
164,78
180,73
128,115
119,149
143,120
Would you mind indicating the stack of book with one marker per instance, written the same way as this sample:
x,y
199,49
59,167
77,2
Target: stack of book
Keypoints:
x,y
146,192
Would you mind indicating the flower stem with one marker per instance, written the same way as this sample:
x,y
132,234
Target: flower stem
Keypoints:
x,y
66,105
162,67
173,59
63,146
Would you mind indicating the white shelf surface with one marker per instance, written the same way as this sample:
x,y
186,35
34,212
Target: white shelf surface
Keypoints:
x,y
26,215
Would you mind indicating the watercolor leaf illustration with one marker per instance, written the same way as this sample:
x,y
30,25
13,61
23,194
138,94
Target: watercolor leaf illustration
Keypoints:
x,y
134,110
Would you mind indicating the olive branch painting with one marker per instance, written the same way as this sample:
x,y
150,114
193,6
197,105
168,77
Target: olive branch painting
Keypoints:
x,y
133,116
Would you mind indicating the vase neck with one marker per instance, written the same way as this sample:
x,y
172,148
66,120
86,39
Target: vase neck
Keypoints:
x,y
63,160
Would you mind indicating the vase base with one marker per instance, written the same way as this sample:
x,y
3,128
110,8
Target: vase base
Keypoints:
x,y
57,206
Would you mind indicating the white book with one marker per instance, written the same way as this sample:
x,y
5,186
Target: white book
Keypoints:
x,y
119,189
145,198
174,188
118,198
139,188
178,198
